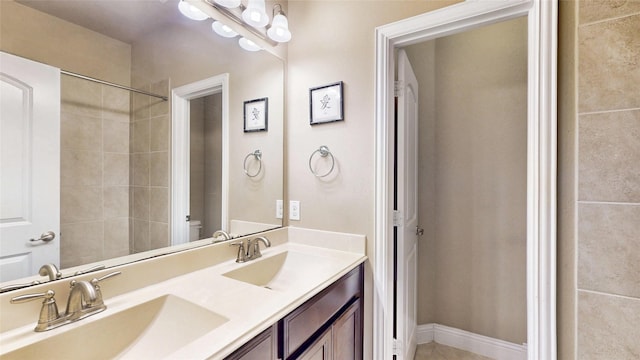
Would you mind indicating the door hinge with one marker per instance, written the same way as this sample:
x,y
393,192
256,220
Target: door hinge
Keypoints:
x,y
397,87
397,218
397,347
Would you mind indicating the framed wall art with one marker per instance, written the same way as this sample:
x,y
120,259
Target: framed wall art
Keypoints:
x,y
326,103
256,115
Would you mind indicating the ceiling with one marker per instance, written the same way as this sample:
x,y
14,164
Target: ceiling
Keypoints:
x,y
124,20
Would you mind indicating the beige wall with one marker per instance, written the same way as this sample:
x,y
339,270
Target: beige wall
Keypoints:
x,y
608,180
473,174
185,56
328,46
37,36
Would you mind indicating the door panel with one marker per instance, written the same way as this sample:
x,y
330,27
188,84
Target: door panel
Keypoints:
x,y
407,205
29,165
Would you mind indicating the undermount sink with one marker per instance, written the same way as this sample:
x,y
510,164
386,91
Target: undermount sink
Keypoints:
x,y
151,330
282,271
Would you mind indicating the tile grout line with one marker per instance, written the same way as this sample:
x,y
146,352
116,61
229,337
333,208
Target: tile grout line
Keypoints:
x,y
608,111
607,19
592,202
602,293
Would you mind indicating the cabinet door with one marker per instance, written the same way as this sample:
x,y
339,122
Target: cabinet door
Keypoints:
x,y
320,350
261,347
347,334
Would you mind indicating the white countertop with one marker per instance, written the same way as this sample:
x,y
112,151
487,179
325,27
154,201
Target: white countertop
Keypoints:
x,y
250,309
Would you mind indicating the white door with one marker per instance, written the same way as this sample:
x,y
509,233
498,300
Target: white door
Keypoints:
x,y
407,209
29,166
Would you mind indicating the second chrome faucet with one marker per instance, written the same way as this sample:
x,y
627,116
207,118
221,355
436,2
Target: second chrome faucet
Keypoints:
x,y
252,250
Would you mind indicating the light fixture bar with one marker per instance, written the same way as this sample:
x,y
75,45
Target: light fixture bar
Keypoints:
x,y
238,20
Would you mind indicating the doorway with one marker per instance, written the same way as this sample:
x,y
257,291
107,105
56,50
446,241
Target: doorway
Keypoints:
x,y
471,193
541,155
216,89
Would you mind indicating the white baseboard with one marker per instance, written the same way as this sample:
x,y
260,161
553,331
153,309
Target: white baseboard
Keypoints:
x,y
482,345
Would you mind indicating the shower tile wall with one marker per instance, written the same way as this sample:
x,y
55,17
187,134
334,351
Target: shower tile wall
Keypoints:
x,y
149,170
94,172
608,285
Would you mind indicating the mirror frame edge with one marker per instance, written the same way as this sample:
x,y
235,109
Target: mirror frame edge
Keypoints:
x,y
541,157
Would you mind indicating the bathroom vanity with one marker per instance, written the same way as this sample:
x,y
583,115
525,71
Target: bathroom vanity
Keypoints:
x,y
301,300
328,326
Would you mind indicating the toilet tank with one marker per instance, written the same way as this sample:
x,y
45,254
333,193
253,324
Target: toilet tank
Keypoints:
x,y
195,227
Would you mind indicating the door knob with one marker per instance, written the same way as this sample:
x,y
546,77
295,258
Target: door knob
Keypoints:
x,y
45,237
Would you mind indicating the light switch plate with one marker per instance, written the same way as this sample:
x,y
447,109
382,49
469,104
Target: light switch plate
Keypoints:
x,y
279,209
294,210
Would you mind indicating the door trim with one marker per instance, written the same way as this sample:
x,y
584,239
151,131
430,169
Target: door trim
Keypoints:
x,y
180,140
541,157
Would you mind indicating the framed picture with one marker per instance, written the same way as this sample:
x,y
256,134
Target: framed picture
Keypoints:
x,y
326,103
256,114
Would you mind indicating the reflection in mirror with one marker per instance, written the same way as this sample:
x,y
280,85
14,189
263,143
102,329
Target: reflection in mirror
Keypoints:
x,y
114,146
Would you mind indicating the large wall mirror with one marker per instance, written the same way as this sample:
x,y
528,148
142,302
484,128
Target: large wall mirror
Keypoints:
x,y
115,146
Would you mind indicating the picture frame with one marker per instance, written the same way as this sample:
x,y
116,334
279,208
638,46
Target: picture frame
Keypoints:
x,y
256,115
326,103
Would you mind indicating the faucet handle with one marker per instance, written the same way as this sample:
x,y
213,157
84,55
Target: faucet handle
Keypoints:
x,y
242,255
99,302
49,294
95,281
91,269
49,314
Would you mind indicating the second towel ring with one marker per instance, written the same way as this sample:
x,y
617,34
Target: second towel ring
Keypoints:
x,y
324,152
258,156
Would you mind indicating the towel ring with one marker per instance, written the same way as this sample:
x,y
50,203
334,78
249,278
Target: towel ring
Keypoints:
x,y
258,156
324,152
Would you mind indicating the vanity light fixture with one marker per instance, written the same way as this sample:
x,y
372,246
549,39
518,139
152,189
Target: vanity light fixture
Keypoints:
x,y
228,3
255,14
223,30
279,30
251,17
191,11
248,44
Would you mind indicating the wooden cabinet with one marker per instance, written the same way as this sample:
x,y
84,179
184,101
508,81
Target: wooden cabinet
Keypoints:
x,y
336,311
326,327
261,347
321,349
347,334
341,341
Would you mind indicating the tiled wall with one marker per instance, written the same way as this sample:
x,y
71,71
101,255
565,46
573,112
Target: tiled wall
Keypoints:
x,y
94,172
608,224
150,129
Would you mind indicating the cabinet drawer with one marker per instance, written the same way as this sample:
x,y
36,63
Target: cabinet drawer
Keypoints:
x,y
262,347
310,317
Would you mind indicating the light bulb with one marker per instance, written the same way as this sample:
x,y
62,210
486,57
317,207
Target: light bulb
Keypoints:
x,y
279,30
248,44
223,30
255,14
229,3
191,11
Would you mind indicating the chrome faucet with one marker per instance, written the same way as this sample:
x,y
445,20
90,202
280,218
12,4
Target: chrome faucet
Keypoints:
x,y
82,300
85,299
252,249
51,271
253,252
225,236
